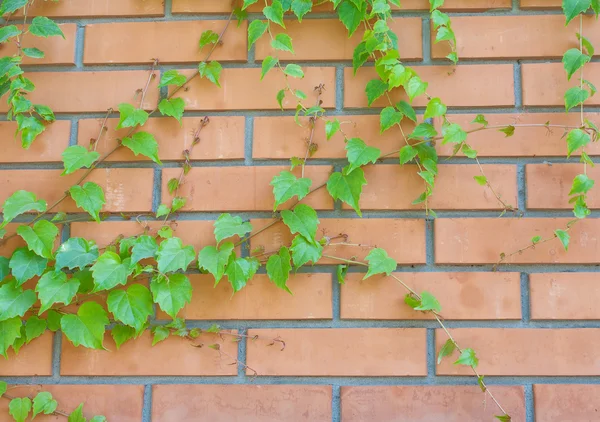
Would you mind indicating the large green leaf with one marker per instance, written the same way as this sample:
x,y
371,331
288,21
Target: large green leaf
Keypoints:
x,y
40,239
26,264
14,302
53,287
303,219
171,293
572,8
43,27
76,157
76,252
109,271
286,186
44,403
19,203
380,263
132,306
214,260
87,328
227,226
347,187
279,267
173,256
89,197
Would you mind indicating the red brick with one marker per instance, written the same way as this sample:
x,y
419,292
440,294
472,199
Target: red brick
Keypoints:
x,y
169,42
522,352
175,355
218,188
34,359
331,37
403,239
545,84
548,185
480,241
249,403
48,147
221,139
116,402
468,85
99,8
428,403
564,296
121,194
56,49
541,4
237,92
470,296
340,352
557,403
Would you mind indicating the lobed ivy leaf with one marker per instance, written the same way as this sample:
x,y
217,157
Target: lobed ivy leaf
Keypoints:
x,y
87,328
122,334
43,27
109,271
351,13
446,350
214,259
303,220
211,71
453,134
331,128
575,96
407,154
132,307
467,358
435,108
282,42
173,107
240,270
44,403
274,13
375,88
268,63
34,328
347,187
227,226
407,110
171,293
30,128
160,333
172,77
388,118
77,415
301,8
564,238
19,408
19,203
14,301
76,157
131,116
423,131
208,37
173,256
428,303
415,87
576,139
304,251
256,29
9,31
10,331
40,238
286,186
294,71
143,143
76,252
379,263
572,8
573,60
143,247
360,154
26,264
10,6
279,267
89,197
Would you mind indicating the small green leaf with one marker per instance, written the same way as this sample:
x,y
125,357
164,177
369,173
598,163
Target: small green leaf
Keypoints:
x,y
375,88
171,293
388,118
423,131
34,328
294,71
144,247
304,251
53,287
286,186
44,403
581,184
480,118
586,43
89,197
208,37
503,418
279,267
407,110
160,333
573,60
407,153
30,128
415,87
435,108
446,350
173,107
347,187
172,77
283,42
268,63
240,270
227,226
572,8
77,157
173,256
10,331
77,415
211,71
468,358
351,13
87,327
44,27
256,29
575,96
122,334
379,263
19,203
19,408
214,260
40,238
131,116
274,13
564,238
3,387
9,31
360,154
453,134
341,272
482,180
303,220
143,143
429,303
576,139
280,97
331,128
10,6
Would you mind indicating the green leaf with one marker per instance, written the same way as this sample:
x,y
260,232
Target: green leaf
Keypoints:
x,y
240,270
19,408
8,31
508,130
172,77
434,4
572,8
144,247
26,264
283,42
89,197
453,134
407,110
34,328
211,71
341,272
415,87
423,131
121,334
585,42
446,350
87,327
360,154
173,107
294,71
256,29
331,128
10,331
503,418
286,186
575,96
40,239
280,97
304,251
44,403
14,301
279,267
131,307
143,143
347,187
564,238
379,263
45,112
303,220
581,184
160,333
77,415
4,268
428,303
54,319
171,293
214,260
407,153
77,157
351,13
173,256
274,13
76,253
375,88
3,387
109,271
480,118
576,139
388,118
30,128
131,116
19,203
44,27
573,60
482,180
227,226
10,6
399,76
268,63
301,8
435,108
208,37
467,358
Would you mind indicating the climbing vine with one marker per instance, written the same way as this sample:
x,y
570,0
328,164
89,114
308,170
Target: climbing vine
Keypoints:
x,y
138,272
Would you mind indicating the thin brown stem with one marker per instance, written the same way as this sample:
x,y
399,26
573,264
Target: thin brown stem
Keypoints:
x,y
150,77
102,128
313,124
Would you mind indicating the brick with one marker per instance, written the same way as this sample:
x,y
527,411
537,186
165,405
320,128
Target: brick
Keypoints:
x,y
331,37
175,355
468,296
564,296
34,359
559,402
56,49
116,402
120,193
77,92
249,403
541,4
544,84
501,37
460,241
392,187
428,403
221,139
468,85
98,8
548,186
218,188
260,299
48,147
522,352
535,141
237,93
340,352
169,42
283,138
403,239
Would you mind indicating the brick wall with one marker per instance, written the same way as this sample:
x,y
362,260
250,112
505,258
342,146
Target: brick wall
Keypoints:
x,y
353,352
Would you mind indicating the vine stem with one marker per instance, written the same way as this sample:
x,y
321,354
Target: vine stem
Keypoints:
x,y
102,128
313,124
150,77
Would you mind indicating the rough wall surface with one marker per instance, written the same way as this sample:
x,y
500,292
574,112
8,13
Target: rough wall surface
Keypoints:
x,y
353,352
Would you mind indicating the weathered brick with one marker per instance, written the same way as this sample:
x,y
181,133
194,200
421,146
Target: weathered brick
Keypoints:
x,y
560,402
48,147
541,4
34,359
98,8
564,296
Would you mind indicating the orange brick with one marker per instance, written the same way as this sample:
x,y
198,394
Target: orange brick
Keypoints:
x,y
169,42
480,241
403,239
221,139
100,8
564,296
115,402
468,85
548,186
499,37
250,403
423,403
120,193
331,37
521,352
556,403
527,141
340,352
175,355
393,187
48,147
237,93
34,359
56,49
471,296
541,4
544,84
218,188
260,299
